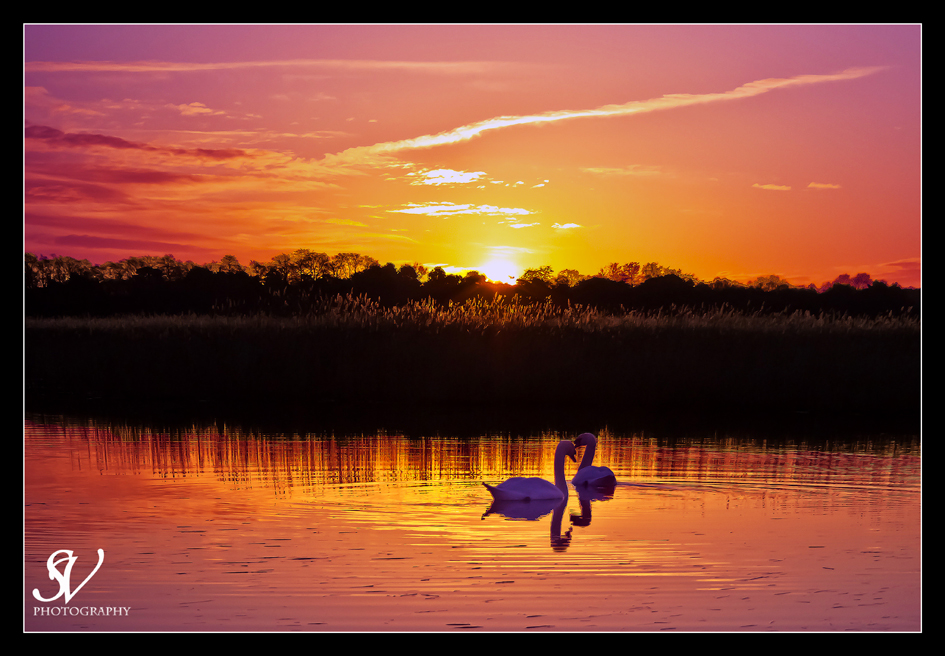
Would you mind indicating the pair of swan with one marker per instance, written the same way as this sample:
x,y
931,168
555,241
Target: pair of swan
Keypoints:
x,y
521,488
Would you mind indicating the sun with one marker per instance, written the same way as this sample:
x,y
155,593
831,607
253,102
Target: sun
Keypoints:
x,y
500,271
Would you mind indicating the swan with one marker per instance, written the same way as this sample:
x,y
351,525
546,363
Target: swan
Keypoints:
x,y
588,475
522,488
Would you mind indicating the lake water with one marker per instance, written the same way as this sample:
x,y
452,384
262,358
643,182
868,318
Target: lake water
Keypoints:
x,y
215,529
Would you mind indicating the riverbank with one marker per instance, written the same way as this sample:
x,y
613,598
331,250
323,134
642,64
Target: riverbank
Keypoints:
x,y
680,362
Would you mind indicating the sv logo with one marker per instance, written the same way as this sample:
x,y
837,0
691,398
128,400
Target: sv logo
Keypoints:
x,y
65,576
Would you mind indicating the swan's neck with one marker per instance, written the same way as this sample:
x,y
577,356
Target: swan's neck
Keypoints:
x,y
560,481
588,457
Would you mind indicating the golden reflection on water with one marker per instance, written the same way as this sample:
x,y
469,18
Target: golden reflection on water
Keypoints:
x,y
283,462
217,529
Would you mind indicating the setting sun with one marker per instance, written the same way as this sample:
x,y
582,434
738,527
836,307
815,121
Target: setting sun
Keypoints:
x,y
500,271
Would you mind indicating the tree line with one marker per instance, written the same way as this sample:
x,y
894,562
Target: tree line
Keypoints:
x,y
41,271
291,282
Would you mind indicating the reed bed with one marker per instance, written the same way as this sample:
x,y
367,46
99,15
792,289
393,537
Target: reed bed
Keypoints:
x,y
479,315
353,350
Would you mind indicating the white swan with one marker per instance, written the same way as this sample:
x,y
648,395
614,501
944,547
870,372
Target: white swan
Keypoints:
x,y
521,488
588,475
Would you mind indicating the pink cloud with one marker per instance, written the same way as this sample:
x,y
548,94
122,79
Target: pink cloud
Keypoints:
x,y
84,140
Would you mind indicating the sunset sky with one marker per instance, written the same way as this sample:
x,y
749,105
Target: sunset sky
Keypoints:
x,y
732,151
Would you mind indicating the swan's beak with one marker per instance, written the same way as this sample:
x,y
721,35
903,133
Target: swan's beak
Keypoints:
x,y
573,459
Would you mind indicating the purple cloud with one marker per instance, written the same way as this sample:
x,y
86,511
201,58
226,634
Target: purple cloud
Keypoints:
x,y
84,140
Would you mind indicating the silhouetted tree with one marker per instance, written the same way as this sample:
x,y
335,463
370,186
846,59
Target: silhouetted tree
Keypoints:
x,y
169,267
131,266
769,283
283,265
31,274
568,278
544,274
650,270
112,271
631,273
345,265
436,275
535,284
664,291
723,283
441,286
408,272
312,264
861,281
422,271
62,267
611,272
601,293
628,273
229,264
257,269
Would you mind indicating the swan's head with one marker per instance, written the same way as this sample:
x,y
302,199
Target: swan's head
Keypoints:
x,y
585,439
567,448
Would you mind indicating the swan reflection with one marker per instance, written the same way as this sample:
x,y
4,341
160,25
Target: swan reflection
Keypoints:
x,y
529,510
603,493
559,542
537,508
533,510
585,497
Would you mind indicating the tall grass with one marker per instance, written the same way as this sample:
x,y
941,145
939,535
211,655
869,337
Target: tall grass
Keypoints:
x,y
351,349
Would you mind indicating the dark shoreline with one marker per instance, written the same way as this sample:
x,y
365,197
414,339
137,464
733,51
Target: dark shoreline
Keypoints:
x,y
365,369
540,397
468,420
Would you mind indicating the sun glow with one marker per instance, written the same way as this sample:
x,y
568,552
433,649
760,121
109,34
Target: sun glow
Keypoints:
x,y
501,271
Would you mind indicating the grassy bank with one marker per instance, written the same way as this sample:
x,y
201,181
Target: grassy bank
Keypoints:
x,y
352,350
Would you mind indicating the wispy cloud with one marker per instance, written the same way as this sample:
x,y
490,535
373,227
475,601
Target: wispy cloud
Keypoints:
x,y
523,225
506,251
391,236
822,185
771,187
438,67
196,109
349,222
566,226
668,101
86,140
909,270
449,209
446,177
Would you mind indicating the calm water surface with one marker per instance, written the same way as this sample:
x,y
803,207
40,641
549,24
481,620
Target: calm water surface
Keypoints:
x,y
222,530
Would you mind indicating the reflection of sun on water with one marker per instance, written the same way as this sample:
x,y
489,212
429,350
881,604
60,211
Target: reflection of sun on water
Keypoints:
x,y
500,271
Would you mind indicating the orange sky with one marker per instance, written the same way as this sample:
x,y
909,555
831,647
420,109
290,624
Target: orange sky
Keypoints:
x,y
733,151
